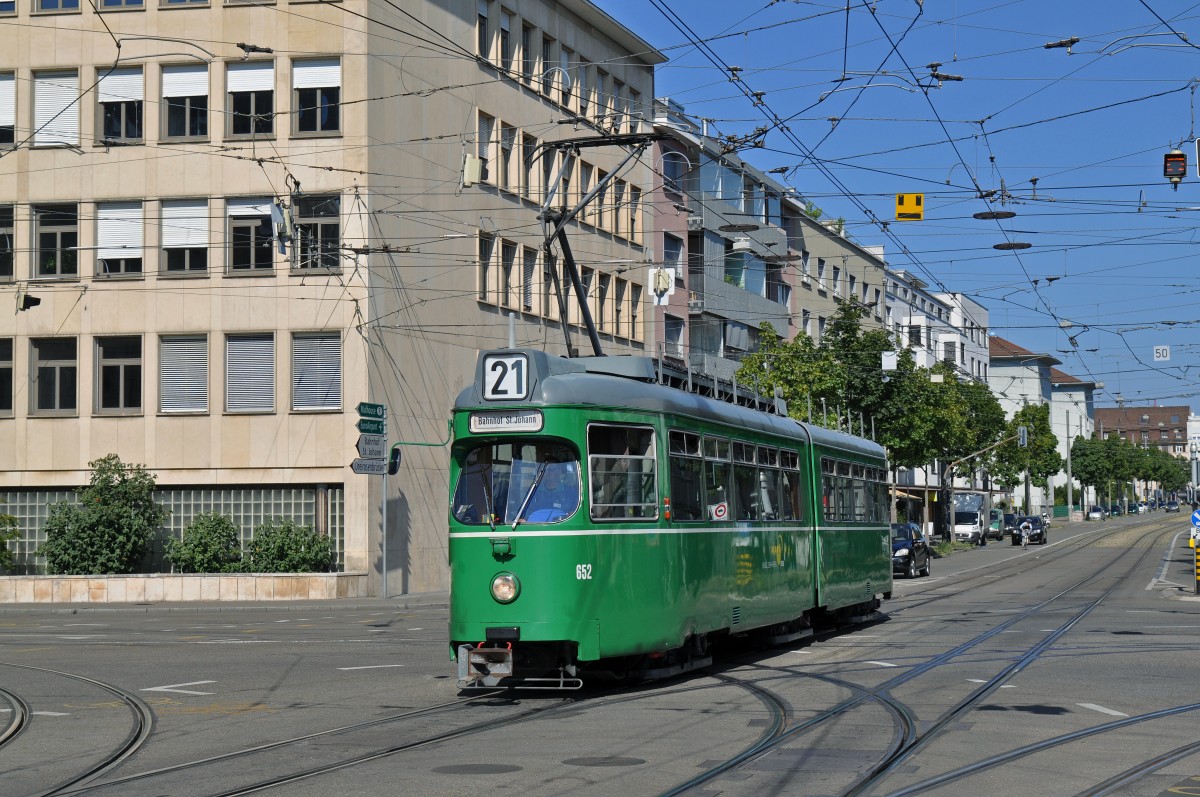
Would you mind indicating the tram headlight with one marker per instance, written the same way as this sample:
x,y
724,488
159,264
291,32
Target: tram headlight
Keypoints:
x,y
505,587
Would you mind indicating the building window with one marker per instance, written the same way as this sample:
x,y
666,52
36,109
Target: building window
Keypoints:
x,y
528,148
119,236
6,243
185,236
548,61
565,58
119,375
8,107
55,369
183,373
49,6
487,248
528,56
633,209
55,109
317,86
250,373
250,235
8,7
506,45
318,232
528,277
185,101
635,312
483,145
508,287
106,5
317,372
56,230
506,177
251,109
120,92
483,35
582,90
673,336
6,376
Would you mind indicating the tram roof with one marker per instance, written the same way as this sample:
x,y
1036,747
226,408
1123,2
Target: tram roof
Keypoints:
x,y
630,383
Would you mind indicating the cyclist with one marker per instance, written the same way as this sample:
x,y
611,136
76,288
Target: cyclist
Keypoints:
x,y
1026,530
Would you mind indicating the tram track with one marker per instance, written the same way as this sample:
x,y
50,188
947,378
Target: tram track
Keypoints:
x,y
139,732
121,784
18,716
907,742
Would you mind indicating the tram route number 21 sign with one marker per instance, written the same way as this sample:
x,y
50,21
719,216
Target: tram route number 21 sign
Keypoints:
x,y
505,377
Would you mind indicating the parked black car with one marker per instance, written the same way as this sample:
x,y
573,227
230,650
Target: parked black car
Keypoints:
x,y
1037,531
910,554
1171,506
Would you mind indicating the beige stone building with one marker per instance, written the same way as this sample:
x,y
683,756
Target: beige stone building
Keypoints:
x,y
225,224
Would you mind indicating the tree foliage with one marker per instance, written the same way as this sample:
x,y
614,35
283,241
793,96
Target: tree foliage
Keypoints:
x,y
281,546
109,530
1040,458
209,545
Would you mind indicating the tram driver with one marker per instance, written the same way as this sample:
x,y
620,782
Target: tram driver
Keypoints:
x,y
557,494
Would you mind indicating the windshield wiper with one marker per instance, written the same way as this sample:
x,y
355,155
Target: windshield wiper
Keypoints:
x,y
487,494
537,479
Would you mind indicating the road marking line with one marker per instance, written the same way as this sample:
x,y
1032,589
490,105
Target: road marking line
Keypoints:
x,y
175,688
371,667
883,663
51,713
1101,709
416,629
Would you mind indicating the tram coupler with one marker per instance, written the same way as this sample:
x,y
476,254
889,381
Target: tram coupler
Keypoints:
x,y
483,667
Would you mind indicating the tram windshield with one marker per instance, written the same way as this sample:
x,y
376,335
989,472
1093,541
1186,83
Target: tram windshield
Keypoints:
x,y
516,482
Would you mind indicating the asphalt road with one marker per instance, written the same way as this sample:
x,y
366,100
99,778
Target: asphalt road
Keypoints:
x,y
1061,669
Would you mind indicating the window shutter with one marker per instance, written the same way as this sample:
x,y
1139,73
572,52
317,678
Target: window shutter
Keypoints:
x,y
317,74
185,81
185,224
121,85
250,373
8,101
486,125
119,231
254,206
255,76
55,109
317,372
183,374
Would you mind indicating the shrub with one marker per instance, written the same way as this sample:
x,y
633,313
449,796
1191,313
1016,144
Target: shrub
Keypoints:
x,y
280,546
210,545
110,529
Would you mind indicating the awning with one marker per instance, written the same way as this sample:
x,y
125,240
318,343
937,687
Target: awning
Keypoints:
x,y
913,496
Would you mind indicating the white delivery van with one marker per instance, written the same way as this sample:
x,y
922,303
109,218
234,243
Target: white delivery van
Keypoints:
x,y
968,526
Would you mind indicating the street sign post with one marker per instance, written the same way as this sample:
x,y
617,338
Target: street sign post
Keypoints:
x,y
372,446
369,467
367,409
368,426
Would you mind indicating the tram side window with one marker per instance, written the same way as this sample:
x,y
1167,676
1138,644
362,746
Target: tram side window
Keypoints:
x,y
747,503
789,493
768,483
844,496
687,475
621,462
828,490
718,478
858,487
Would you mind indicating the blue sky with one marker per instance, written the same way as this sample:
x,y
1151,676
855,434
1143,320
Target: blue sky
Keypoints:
x,y
1070,139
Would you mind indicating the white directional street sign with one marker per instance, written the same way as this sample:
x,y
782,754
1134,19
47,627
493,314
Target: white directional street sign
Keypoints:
x,y
369,467
372,446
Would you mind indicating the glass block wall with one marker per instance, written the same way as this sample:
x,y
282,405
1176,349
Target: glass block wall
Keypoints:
x,y
319,506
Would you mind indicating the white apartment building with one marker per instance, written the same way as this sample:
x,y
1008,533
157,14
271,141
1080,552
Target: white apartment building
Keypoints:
x,y
231,222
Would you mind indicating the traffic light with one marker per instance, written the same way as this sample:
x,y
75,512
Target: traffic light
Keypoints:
x,y
1175,167
394,462
1022,436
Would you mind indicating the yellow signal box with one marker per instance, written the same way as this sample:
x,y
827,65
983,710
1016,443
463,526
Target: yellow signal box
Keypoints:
x,y
910,207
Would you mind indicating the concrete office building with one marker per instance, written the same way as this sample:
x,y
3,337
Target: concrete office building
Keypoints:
x,y
228,223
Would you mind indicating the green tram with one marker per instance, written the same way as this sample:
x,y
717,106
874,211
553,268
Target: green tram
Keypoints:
x,y
602,524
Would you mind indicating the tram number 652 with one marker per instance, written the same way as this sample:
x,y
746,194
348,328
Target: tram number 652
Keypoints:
x,y
583,572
